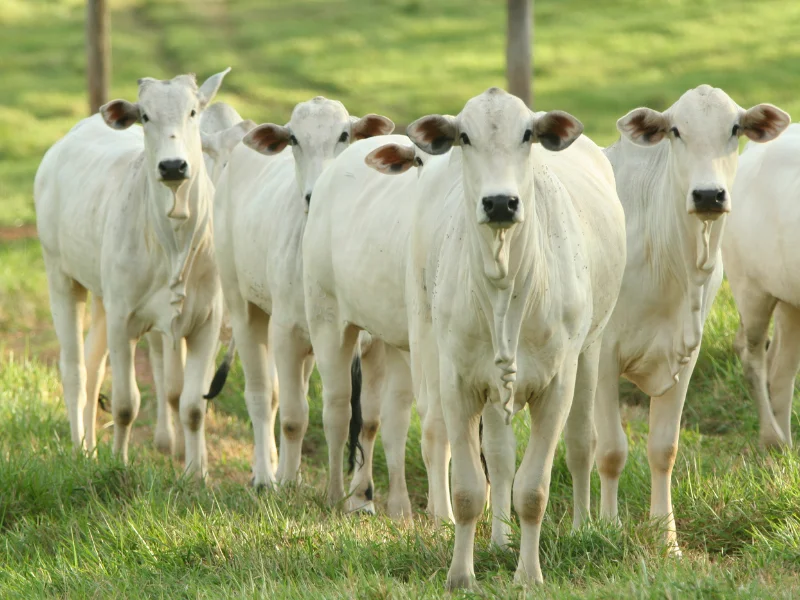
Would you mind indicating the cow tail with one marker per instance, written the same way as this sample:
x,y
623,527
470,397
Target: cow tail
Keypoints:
x,y
356,420
222,372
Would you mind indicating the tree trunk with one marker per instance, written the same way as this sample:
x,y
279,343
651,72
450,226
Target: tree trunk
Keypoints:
x,y
98,52
519,49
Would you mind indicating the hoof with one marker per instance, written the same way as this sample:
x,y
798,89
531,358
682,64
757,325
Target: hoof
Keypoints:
x,y
262,487
462,581
357,505
164,443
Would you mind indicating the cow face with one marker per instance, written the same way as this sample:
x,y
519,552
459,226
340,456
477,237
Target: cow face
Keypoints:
x,y
319,130
495,131
702,129
169,112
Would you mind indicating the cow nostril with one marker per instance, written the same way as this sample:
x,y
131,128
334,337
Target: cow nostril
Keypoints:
x,y
513,204
183,166
488,204
721,196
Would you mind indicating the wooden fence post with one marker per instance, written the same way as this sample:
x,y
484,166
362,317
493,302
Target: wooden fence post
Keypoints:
x,y
519,49
98,52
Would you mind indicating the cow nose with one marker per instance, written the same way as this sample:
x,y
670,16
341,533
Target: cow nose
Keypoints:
x,y
173,170
709,200
308,198
500,209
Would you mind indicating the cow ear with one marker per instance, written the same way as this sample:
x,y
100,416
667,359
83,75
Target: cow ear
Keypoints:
x,y
268,139
369,126
120,114
763,122
434,134
392,159
210,87
644,126
556,130
221,142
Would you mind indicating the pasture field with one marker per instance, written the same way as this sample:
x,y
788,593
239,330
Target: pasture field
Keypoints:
x,y
74,527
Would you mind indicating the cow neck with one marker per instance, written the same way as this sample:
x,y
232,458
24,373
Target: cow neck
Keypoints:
x,y
699,242
510,268
181,239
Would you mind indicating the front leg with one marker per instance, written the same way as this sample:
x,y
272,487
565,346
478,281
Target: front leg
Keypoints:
x,y
499,448
462,409
201,347
532,483
125,398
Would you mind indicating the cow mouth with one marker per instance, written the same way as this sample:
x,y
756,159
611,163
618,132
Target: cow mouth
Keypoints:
x,y
710,214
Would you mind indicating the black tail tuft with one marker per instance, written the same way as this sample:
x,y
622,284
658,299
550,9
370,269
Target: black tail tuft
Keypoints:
x,y
356,420
483,458
102,400
222,373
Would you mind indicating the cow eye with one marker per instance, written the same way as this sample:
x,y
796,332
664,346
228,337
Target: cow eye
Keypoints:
x,y
193,113
343,137
293,141
465,139
418,161
674,131
145,118
527,137
736,129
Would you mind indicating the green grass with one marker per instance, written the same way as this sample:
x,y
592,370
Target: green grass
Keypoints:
x,y
73,527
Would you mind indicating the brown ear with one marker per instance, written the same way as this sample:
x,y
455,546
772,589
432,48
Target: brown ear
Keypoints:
x,y
644,126
371,125
391,159
268,139
120,114
556,130
764,122
434,134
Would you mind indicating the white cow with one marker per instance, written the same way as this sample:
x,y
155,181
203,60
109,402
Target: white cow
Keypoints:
x,y
259,218
355,251
515,259
221,128
763,269
126,216
674,171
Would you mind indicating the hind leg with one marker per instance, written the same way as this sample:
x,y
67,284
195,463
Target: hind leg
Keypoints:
x,y
67,304
174,365
96,353
164,435
373,363
499,450
396,413
783,362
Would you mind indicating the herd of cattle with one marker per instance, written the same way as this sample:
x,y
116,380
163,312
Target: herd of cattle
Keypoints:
x,y
483,263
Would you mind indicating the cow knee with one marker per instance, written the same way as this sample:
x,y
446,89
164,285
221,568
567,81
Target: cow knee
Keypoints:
x,y
124,416
611,462
174,399
468,504
662,457
292,430
369,430
530,504
194,418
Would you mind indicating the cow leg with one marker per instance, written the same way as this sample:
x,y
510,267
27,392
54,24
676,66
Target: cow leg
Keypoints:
x,y
373,372
334,350
252,339
273,415
756,310
125,398
784,361
292,348
67,304
612,443
201,347
499,450
462,409
662,450
96,353
396,413
580,435
174,365
164,437
532,483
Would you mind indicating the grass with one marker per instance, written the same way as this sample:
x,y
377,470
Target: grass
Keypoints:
x,y
73,527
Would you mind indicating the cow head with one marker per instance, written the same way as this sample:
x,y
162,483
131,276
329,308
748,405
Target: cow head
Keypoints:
x,y
703,129
221,129
169,112
495,131
319,130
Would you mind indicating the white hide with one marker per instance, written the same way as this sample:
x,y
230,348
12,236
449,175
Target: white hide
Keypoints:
x,y
500,313
259,217
355,252
111,223
763,269
673,269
